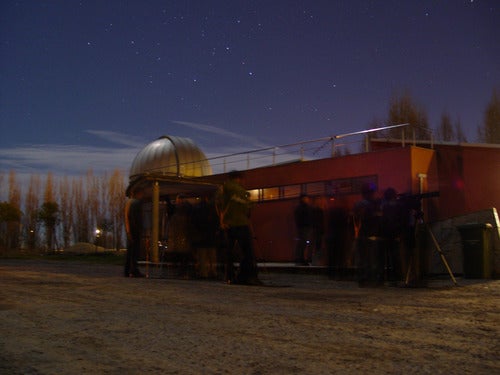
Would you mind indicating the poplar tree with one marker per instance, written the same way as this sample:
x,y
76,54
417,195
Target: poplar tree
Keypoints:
x,y
66,211
403,109
81,223
459,132
31,203
117,202
92,198
13,226
445,131
49,213
490,131
9,215
1,183
104,222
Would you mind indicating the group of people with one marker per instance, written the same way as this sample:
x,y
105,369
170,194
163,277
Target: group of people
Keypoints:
x,y
232,234
383,231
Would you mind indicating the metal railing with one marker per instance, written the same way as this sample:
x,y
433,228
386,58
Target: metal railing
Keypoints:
x,y
320,148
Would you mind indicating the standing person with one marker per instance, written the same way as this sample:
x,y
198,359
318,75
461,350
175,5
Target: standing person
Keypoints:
x,y
304,221
319,225
205,223
366,219
233,207
180,234
391,230
133,227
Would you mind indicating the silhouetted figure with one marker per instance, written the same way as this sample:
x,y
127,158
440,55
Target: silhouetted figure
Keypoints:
x,y
233,207
366,219
319,227
304,222
414,236
180,234
205,223
391,229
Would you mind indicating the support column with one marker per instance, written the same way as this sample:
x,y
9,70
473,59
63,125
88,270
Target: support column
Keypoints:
x,y
155,222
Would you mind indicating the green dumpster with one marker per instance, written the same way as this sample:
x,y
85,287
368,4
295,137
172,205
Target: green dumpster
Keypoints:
x,y
476,250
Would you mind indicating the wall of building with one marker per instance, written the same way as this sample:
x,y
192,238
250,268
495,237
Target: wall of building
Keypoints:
x,y
481,168
469,176
273,220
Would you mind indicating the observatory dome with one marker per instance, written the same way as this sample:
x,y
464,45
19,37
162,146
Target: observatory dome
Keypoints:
x,y
173,156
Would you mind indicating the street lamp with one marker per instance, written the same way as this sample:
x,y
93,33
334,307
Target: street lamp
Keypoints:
x,y
97,234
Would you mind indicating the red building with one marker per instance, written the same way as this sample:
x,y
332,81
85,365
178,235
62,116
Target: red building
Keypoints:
x,y
467,177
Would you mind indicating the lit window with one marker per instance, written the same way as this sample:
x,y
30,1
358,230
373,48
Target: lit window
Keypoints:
x,y
270,193
291,191
254,194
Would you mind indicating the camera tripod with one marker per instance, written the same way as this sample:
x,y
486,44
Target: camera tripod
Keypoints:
x,y
413,257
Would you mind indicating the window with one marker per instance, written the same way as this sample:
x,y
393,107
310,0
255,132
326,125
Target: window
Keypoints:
x,y
290,191
316,188
270,194
341,186
254,194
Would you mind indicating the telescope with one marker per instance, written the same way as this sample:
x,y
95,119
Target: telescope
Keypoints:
x,y
432,194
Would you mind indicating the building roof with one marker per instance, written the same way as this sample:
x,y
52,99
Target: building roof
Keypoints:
x,y
170,156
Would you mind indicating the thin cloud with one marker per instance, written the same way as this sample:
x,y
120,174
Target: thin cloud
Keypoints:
x,y
222,132
71,160
118,138
66,159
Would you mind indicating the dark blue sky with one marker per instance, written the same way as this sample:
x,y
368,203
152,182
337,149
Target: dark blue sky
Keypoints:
x,y
86,84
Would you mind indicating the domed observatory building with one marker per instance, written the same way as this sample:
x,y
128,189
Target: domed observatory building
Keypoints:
x,y
165,168
170,156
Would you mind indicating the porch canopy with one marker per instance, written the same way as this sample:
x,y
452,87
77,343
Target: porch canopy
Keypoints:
x,y
166,167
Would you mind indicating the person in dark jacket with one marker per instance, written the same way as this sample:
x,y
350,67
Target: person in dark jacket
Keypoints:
x,y
233,207
391,231
367,222
304,222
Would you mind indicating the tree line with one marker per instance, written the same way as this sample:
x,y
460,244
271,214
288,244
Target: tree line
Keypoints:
x,y
404,109
63,211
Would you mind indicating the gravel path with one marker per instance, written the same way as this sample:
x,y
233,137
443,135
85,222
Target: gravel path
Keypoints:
x,y
71,318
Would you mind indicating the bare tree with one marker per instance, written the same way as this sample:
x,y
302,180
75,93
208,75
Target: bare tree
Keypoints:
x,y
49,188
445,131
66,211
14,227
403,109
49,216
14,190
117,201
459,132
9,214
49,213
490,131
81,225
92,186
1,183
31,204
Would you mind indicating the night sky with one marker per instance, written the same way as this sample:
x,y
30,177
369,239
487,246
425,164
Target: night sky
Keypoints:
x,y
87,84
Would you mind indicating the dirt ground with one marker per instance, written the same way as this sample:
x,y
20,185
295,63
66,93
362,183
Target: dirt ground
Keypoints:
x,y
76,318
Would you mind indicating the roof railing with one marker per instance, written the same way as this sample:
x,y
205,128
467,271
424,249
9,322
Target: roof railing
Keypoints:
x,y
293,152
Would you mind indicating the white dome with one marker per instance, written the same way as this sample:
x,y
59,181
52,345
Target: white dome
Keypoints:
x,y
169,155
